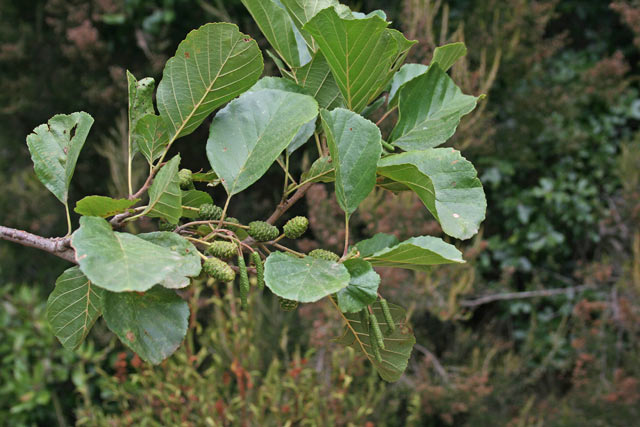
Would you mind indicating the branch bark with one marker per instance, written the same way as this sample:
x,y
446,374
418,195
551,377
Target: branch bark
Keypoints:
x,y
58,246
522,295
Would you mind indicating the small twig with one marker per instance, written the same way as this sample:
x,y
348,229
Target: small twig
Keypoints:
x,y
60,247
283,207
286,249
385,115
521,295
434,360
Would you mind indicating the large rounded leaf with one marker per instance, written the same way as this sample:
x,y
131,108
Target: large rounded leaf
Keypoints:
x,y
121,261
249,134
213,65
303,279
152,324
416,253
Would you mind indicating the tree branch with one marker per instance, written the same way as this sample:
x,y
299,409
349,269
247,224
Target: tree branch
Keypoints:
x,y
58,246
284,206
522,295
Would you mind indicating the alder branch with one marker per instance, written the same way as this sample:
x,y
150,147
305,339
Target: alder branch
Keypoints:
x,y
522,295
58,246
284,206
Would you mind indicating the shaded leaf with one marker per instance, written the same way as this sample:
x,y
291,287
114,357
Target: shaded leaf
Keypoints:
x,y
446,183
213,65
303,279
194,199
317,79
140,104
416,253
191,265
121,261
73,307
398,344
151,137
248,135
55,148
430,107
360,52
301,11
354,143
278,28
362,289
204,176
103,206
321,170
165,197
378,242
152,324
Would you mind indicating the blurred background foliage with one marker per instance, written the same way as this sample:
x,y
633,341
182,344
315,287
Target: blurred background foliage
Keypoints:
x,y
540,327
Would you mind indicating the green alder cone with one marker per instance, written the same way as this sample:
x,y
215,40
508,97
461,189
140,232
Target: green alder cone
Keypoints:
x,y
262,231
165,226
222,249
219,270
210,212
295,227
324,254
287,304
233,221
186,179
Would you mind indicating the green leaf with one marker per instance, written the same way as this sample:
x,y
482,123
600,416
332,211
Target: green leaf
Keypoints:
x,y
249,134
430,108
301,11
405,73
191,265
165,197
362,289
321,170
446,183
398,344
307,130
354,143
152,324
417,253
121,262
278,28
377,243
448,54
303,279
55,148
360,52
103,206
151,137
140,105
317,79
213,65
73,307
204,176
194,199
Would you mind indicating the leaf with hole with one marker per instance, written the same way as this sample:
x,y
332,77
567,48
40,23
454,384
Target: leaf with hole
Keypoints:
x,y
121,262
140,105
213,65
446,183
249,134
354,143
305,279
398,344
73,307
152,324
362,289
55,148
